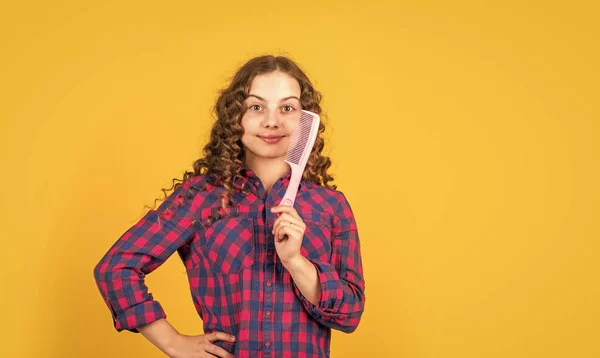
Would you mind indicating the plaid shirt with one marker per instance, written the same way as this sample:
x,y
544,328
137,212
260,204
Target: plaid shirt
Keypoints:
x,y
238,284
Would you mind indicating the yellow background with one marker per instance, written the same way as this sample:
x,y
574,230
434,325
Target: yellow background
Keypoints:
x,y
464,134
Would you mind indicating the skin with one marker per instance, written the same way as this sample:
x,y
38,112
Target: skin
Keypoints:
x,y
273,109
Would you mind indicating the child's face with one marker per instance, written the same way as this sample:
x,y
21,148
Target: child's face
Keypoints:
x,y
273,110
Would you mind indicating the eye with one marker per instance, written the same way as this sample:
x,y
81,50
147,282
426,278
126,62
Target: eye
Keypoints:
x,y
255,107
288,108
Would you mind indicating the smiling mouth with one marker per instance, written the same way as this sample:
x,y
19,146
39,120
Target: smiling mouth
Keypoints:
x,y
270,140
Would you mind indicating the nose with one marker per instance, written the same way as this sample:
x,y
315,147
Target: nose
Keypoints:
x,y
271,119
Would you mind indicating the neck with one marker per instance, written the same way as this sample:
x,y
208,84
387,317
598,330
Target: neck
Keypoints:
x,y
269,170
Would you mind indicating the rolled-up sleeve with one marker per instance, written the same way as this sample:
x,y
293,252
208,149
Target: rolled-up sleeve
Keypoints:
x,y
140,250
342,297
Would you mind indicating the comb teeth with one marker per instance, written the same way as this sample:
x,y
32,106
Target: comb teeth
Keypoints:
x,y
299,139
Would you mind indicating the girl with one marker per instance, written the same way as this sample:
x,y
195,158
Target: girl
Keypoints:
x,y
266,280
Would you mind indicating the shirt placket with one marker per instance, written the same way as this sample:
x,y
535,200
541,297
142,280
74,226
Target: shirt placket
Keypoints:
x,y
268,286
269,283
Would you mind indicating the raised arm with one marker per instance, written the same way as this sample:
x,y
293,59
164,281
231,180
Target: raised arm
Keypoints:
x,y
341,297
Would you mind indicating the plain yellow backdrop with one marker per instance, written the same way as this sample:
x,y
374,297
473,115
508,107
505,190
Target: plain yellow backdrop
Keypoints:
x,y
464,134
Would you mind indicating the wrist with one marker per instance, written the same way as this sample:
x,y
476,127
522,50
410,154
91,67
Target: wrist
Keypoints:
x,y
171,344
163,335
295,264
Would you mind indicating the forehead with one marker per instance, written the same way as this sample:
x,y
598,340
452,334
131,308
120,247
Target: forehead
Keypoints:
x,y
275,85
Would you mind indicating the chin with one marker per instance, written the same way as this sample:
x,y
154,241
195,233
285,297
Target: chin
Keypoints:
x,y
267,154
270,154
259,150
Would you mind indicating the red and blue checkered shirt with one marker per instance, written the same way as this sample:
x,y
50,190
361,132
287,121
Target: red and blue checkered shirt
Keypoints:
x,y
238,284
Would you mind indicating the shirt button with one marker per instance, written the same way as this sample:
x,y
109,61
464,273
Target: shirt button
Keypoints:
x,y
270,253
267,344
269,284
268,313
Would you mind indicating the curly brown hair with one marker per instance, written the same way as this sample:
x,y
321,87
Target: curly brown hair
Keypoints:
x,y
224,154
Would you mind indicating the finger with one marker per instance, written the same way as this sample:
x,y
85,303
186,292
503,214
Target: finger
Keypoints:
x,y
292,219
219,336
280,233
292,231
216,350
286,219
286,224
278,223
284,209
294,213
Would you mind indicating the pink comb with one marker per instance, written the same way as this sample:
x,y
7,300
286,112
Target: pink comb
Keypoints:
x,y
301,145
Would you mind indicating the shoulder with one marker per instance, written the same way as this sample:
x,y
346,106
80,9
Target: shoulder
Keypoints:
x,y
200,183
333,202
196,181
323,198
200,190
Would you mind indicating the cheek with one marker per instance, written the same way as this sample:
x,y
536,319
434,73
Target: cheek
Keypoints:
x,y
290,124
249,131
250,121
246,124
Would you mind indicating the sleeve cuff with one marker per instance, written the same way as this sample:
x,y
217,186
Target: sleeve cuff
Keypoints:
x,y
331,295
138,316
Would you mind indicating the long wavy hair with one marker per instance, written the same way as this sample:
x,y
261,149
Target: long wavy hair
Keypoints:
x,y
224,154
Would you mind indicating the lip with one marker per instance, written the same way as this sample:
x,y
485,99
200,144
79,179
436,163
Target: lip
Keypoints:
x,y
271,138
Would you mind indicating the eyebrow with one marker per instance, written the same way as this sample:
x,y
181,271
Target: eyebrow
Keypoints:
x,y
283,99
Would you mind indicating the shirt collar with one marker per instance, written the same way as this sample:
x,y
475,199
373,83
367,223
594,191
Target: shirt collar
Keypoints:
x,y
250,176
